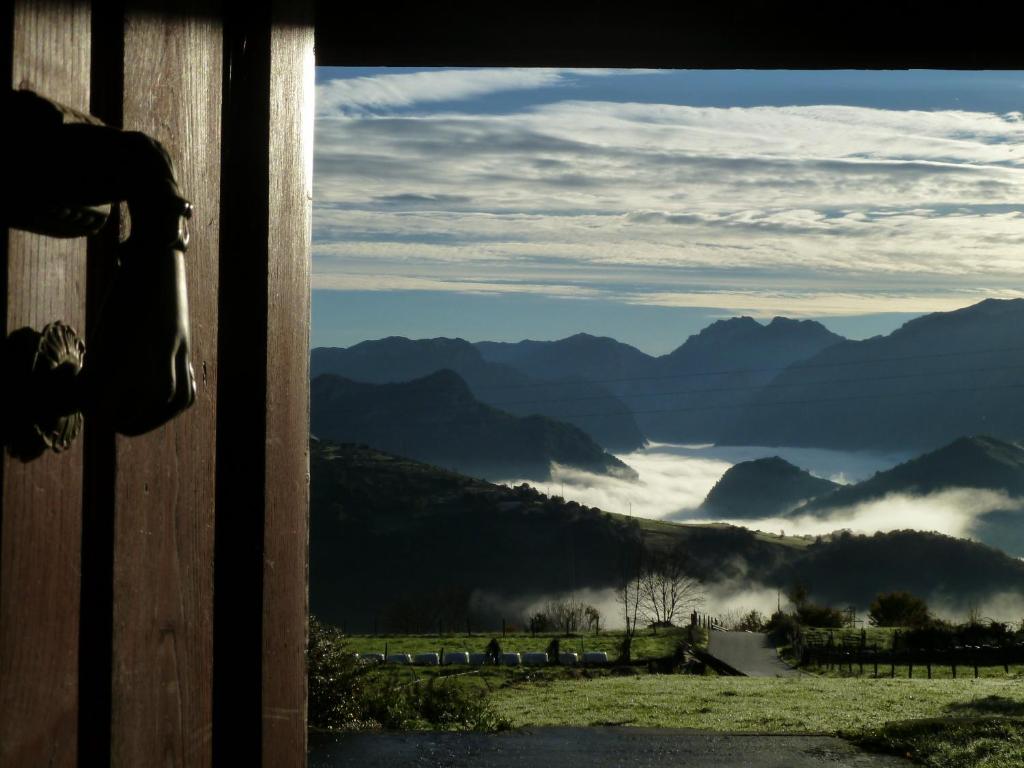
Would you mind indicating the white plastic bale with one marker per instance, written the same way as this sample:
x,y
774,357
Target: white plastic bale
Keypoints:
x,y
535,659
399,658
568,659
456,657
595,657
511,659
426,659
479,659
372,657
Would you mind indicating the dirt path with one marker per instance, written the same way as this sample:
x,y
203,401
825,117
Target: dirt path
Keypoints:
x,y
751,653
592,747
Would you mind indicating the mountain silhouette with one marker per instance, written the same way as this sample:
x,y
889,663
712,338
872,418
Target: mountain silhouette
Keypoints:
x,y
588,406
932,380
691,394
437,419
762,488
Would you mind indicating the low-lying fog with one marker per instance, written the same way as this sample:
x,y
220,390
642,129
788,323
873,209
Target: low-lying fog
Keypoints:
x,y
674,479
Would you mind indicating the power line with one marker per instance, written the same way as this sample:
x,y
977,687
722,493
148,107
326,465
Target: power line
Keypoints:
x,y
753,406
751,387
769,369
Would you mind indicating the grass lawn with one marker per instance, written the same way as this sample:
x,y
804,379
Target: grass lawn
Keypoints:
x,y
971,742
794,705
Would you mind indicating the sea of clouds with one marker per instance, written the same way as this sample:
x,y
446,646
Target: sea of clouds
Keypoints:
x,y
674,480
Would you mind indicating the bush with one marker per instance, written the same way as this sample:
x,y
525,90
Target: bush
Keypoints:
x,y
446,705
753,621
334,680
898,609
440,703
782,627
342,694
813,615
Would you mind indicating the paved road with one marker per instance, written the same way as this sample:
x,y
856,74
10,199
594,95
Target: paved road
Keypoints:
x,y
752,653
592,747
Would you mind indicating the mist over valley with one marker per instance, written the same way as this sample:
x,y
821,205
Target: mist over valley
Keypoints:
x,y
754,518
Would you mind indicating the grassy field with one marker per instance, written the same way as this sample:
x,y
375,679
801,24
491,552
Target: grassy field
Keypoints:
x,y
791,705
646,645
962,723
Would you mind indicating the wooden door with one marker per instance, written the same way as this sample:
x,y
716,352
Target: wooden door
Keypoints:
x,y
153,589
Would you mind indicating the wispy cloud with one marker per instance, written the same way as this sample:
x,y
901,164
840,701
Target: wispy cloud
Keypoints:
x,y
824,209
388,91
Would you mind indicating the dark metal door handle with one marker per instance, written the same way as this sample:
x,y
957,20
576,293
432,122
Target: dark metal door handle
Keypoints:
x,y
67,170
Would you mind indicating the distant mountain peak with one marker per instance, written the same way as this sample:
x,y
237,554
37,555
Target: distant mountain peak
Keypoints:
x,y
985,311
978,461
746,330
763,488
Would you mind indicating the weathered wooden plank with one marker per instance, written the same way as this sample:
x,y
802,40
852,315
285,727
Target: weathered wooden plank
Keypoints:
x,y
241,426
285,590
40,544
263,427
162,674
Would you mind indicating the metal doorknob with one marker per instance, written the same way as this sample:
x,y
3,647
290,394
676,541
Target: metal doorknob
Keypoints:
x,y
67,169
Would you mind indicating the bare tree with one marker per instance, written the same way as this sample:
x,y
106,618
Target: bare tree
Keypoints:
x,y
630,594
566,614
667,590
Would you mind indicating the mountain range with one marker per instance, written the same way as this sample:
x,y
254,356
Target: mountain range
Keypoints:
x,y
691,394
936,378
774,487
741,382
398,544
588,406
437,419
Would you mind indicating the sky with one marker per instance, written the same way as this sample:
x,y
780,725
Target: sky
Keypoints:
x,y
506,204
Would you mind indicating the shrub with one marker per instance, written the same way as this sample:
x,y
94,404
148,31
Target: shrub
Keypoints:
x,y
343,695
753,621
334,680
813,615
782,626
898,609
444,704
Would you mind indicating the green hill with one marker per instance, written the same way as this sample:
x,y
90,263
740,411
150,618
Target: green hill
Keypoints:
x,y
762,488
397,543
